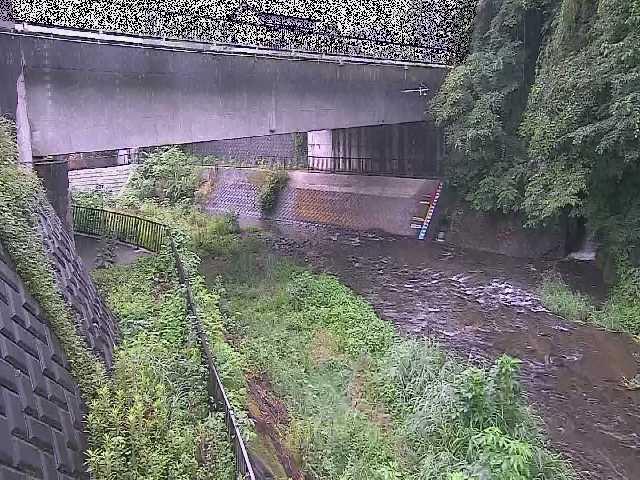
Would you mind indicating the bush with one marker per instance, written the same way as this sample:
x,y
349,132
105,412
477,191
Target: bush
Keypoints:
x,y
152,420
167,175
462,421
274,182
622,311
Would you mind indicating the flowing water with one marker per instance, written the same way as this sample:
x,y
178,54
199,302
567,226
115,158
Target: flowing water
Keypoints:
x,y
482,305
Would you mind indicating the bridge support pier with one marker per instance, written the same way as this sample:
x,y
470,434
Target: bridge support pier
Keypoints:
x,y
53,171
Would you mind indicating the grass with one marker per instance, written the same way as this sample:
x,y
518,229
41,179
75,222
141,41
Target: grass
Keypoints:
x,y
556,295
152,419
364,403
620,313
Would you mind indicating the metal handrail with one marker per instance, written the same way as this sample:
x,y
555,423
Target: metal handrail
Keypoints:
x,y
129,229
152,235
244,469
369,166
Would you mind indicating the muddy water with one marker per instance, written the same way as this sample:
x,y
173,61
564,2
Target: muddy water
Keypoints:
x,y
482,305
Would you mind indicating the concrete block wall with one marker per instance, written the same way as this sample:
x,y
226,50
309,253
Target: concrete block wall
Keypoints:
x,y
349,201
41,427
248,148
41,413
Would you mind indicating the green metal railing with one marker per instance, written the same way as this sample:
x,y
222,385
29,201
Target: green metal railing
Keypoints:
x,y
151,235
126,228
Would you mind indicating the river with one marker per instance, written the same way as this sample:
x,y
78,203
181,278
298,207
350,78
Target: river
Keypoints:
x,y
482,305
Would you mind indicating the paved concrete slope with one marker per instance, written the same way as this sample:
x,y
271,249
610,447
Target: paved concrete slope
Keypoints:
x,y
349,201
108,179
87,91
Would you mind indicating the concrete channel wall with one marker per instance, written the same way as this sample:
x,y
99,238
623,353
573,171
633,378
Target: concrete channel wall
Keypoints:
x,y
350,201
41,413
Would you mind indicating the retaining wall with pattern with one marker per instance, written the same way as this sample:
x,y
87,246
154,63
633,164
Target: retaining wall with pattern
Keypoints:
x,y
356,202
41,413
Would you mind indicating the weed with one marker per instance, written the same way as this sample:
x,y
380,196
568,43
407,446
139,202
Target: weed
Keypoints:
x,y
364,403
561,300
273,183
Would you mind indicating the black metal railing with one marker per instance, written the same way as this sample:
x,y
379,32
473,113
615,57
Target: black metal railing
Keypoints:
x,y
126,228
151,235
243,467
394,167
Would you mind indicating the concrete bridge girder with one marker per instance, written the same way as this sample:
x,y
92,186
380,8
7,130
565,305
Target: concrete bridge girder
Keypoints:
x,y
88,92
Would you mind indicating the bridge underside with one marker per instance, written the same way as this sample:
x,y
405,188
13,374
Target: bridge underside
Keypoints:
x,y
89,92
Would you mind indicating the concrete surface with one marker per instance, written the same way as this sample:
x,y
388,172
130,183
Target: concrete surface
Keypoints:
x,y
349,201
107,179
90,92
88,248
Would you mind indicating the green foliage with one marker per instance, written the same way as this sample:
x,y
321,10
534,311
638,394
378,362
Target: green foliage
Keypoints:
x,y
167,176
622,311
325,302
543,118
365,404
273,183
461,421
152,420
561,300
93,199
22,198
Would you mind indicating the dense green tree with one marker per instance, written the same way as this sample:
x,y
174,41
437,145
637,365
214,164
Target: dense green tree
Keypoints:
x,y
543,117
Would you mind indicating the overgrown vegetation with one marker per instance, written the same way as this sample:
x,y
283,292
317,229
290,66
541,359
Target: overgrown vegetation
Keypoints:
x,y
363,403
556,295
22,199
542,120
152,419
168,175
272,184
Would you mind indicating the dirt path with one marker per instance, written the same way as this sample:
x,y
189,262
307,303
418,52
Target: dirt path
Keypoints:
x,y
483,305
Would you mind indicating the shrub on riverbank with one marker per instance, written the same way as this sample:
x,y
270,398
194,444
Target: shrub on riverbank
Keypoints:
x,y
273,183
168,175
621,312
365,404
556,295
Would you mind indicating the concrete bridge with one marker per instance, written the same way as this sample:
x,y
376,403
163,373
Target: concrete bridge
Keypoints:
x,y
81,91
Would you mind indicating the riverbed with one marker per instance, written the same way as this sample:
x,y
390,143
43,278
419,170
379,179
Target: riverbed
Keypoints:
x,y
482,305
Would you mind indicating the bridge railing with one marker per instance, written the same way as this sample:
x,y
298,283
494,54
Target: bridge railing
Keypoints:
x,y
396,167
152,236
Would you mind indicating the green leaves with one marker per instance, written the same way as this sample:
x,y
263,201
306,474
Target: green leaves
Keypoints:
x,y
21,198
168,176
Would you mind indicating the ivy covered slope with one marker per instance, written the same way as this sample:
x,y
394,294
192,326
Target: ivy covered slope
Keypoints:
x,y
21,198
543,119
